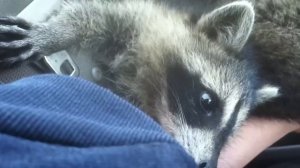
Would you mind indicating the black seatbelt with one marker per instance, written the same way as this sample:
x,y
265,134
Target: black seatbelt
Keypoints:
x,y
23,70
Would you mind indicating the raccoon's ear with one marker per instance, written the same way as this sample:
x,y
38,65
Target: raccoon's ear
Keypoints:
x,y
266,93
229,25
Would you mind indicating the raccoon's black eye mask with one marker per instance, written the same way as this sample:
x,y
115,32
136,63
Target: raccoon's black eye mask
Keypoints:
x,y
191,100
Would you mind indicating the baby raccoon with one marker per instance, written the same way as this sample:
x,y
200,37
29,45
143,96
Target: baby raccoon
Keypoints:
x,y
188,73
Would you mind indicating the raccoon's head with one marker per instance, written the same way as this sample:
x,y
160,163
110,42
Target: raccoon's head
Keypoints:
x,y
210,86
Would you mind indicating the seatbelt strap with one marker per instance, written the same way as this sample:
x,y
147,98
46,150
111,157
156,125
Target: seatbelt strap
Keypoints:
x,y
23,70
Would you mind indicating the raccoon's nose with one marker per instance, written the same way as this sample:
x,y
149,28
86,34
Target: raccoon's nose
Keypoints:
x,y
206,165
203,165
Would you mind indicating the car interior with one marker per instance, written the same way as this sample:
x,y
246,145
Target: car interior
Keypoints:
x,y
284,153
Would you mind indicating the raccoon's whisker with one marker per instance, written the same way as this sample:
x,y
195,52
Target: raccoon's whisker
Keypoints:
x,y
155,87
110,80
182,116
178,106
193,80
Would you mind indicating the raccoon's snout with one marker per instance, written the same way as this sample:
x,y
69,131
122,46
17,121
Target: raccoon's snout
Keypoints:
x,y
207,164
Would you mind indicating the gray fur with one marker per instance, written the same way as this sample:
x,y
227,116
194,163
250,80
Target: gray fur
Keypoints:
x,y
276,41
230,25
136,42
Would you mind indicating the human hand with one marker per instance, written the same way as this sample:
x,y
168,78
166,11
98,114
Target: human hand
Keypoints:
x,y
251,139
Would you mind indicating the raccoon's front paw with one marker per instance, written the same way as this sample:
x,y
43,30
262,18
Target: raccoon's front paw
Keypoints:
x,y
15,43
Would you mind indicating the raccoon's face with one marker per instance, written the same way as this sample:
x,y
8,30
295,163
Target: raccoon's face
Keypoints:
x,y
207,102
210,88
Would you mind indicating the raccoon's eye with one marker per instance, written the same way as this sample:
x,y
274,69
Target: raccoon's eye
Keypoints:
x,y
206,103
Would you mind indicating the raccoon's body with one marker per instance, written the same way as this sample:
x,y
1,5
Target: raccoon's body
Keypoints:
x,y
275,44
185,71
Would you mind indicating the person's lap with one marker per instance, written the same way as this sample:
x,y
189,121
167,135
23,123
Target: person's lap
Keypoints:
x,y
55,121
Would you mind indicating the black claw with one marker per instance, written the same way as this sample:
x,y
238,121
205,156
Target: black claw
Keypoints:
x,y
15,21
14,48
